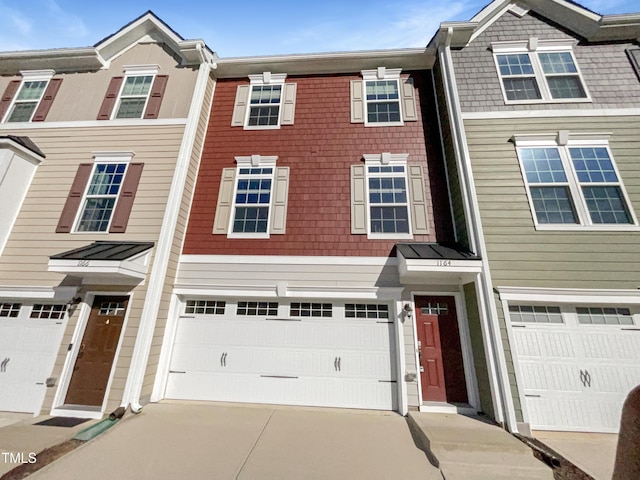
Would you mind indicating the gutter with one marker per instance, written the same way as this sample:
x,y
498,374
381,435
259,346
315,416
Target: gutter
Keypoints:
x,y
157,277
492,339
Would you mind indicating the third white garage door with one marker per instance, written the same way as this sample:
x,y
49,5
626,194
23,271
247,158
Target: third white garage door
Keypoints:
x,y
326,353
577,364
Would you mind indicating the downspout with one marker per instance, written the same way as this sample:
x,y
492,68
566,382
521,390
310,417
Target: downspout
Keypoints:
x,y
492,339
144,338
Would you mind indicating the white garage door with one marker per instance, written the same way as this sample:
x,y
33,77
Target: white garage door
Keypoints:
x,y
300,353
577,364
30,337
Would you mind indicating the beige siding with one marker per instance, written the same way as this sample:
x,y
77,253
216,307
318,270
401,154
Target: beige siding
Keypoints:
x,y
33,239
81,94
178,239
521,256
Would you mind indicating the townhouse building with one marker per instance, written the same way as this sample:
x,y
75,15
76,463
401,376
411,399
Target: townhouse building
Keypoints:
x,y
99,148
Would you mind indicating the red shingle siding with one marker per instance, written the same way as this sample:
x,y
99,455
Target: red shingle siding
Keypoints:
x,y
319,148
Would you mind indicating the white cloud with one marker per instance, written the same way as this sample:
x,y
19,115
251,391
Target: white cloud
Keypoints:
x,y
71,24
14,21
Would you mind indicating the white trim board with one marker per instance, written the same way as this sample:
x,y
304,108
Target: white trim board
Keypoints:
x,y
288,260
93,123
286,291
568,295
569,112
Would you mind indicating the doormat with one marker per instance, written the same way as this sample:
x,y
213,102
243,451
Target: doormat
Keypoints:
x,y
62,422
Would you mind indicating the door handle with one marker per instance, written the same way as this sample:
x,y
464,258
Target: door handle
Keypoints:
x,y
339,362
585,378
3,364
335,363
223,359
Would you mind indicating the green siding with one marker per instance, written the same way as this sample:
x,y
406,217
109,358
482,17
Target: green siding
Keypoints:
x,y
521,256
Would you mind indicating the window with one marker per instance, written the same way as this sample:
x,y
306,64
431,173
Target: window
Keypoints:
x,y
576,183
101,196
112,308
387,197
535,314
361,310
604,316
205,307
388,203
268,102
311,309
55,312
10,310
538,71
382,98
257,308
252,200
23,98
134,96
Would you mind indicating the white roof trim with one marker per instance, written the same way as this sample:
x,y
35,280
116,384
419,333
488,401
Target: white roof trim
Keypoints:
x,y
117,271
569,295
62,294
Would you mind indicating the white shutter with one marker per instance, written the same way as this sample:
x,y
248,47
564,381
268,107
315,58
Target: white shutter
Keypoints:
x,y
240,107
279,208
225,202
288,104
419,212
358,200
357,102
409,110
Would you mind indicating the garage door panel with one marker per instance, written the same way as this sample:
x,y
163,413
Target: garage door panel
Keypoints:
x,y
546,343
550,377
574,413
622,345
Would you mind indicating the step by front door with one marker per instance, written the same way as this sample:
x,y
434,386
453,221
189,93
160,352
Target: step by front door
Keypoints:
x,y
440,352
97,351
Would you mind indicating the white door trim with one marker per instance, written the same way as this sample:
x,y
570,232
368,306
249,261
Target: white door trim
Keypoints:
x,y
467,356
72,355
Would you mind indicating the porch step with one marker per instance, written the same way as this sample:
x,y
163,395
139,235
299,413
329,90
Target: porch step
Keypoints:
x,y
469,448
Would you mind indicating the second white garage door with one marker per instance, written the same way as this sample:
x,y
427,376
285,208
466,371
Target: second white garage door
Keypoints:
x,y
299,353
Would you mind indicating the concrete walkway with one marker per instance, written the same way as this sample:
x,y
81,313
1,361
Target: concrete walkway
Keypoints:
x,y
594,453
467,448
216,441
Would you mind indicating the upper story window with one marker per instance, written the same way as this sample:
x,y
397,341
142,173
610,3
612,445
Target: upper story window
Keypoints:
x,y
573,182
382,98
135,95
252,201
268,102
387,197
29,99
102,195
539,71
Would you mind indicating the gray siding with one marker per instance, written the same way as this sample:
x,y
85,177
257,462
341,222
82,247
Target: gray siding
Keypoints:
x,y
606,69
521,256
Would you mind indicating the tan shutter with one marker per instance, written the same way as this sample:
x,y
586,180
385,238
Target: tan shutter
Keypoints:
x,y
279,208
110,98
240,107
409,110
357,102
418,199
7,96
225,202
47,100
288,104
155,97
358,200
65,224
126,197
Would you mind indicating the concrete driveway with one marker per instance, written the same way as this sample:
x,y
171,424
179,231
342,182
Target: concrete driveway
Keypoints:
x,y
222,441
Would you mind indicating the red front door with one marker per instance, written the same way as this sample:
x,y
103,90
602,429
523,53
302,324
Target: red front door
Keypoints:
x,y
440,352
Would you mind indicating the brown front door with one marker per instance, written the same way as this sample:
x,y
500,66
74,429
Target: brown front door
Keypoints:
x,y
440,351
97,351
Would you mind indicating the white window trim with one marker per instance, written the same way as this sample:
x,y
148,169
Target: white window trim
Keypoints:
x,y
381,73
253,161
562,141
262,79
380,160
102,158
29,76
532,47
136,71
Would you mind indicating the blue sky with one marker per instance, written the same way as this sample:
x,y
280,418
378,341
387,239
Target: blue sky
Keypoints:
x,y
249,27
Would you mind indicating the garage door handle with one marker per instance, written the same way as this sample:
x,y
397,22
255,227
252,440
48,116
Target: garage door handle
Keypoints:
x,y
339,364
3,364
335,363
223,359
585,378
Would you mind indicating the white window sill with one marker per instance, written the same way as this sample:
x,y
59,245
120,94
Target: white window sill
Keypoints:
x,y
384,124
588,228
247,235
262,127
389,236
